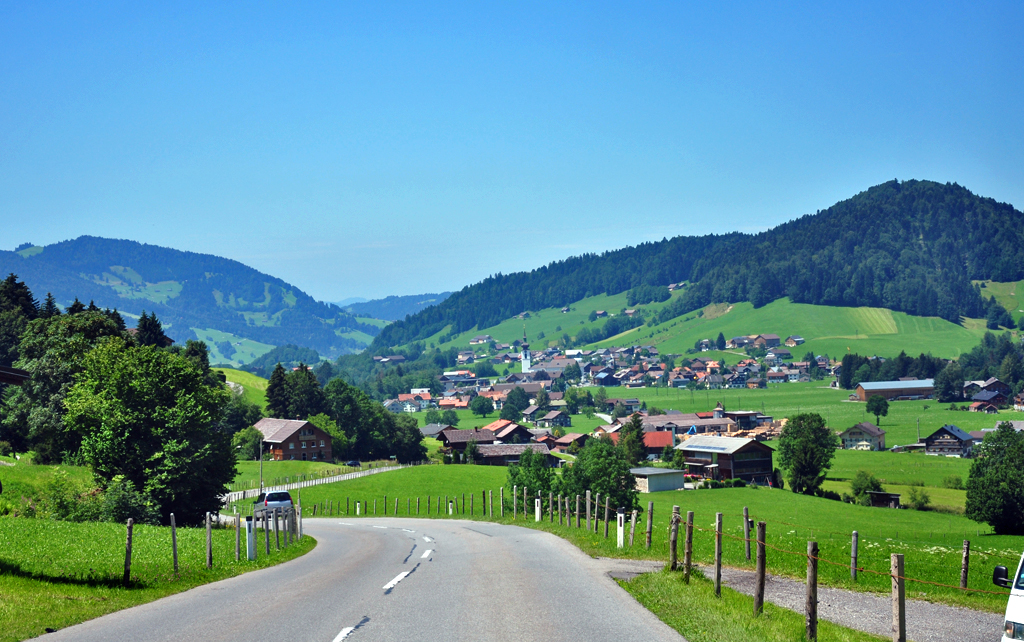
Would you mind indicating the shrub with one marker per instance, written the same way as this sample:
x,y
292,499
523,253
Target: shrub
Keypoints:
x,y
829,494
716,484
955,482
121,501
738,483
5,448
65,500
918,498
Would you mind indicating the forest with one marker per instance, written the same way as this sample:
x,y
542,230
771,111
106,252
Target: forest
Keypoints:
x,y
912,246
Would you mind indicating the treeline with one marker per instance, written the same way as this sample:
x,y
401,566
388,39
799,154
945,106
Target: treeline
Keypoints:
x,y
643,294
913,246
289,355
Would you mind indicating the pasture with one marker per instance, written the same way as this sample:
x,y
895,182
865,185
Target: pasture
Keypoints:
x,y
254,387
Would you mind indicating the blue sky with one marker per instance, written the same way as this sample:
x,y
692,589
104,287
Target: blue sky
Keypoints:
x,y
407,148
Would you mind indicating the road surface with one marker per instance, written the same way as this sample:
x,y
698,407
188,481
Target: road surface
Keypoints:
x,y
400,579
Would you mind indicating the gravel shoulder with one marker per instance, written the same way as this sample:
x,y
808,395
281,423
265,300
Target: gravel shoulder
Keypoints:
x,y
926,622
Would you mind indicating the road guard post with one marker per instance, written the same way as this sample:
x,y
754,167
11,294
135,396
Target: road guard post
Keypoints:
x,y
250,539
621,522
536,508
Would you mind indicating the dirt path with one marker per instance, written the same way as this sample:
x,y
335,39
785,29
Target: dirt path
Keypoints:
x,y
872,612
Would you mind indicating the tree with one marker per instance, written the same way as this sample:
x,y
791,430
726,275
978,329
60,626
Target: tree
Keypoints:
x,y
150,332
433,416
619,411
149,415
720,341
532,473
601,467
600,397
510,413
339,440
918,498
277,394
518,399
450,418
572,372
485,369
543,401
481,406
631,440
406,441
239,413
806,448
861,484
246,443
949,383
995,485
878,406
472,451
305,396
49,307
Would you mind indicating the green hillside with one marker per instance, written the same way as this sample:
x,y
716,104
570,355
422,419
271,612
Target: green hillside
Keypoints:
x,y
1009,295
239,351
253,387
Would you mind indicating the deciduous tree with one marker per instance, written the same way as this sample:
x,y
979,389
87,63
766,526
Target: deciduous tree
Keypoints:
x,y
806,449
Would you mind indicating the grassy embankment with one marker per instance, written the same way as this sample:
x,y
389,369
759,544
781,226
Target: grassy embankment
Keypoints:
x,y
931,541
253,387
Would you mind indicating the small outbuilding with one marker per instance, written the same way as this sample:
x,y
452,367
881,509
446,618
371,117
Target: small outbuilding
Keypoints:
x,y
655,480
882,499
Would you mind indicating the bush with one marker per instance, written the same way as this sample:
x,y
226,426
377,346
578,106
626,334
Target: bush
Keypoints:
x,y
738,483
65,500
828,494
5,448
918,498
955,482
122,501
716,484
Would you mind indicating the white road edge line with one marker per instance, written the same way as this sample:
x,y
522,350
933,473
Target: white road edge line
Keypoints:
x,y
344,633
380,526
426,554
427,539
408,531
393,583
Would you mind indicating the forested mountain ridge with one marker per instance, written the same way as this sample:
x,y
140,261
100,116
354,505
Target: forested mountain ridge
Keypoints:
x,y
393,308
186,290
912,246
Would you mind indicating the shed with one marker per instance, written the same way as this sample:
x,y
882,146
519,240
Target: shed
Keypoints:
x,y
654,480
882,499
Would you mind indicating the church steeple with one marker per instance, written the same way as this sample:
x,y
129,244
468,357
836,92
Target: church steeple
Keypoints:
x,y
525,357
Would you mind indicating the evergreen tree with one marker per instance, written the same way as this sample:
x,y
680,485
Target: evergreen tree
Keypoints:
x,y
15,295
76,307
305,396
543,401
949,383
150,332
631,440
92,306
518,399
116,317
720,341
277,394
50,308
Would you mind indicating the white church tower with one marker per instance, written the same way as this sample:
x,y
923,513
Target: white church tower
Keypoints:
x,y
525,357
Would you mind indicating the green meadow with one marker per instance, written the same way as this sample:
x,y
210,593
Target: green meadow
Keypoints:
x,y
55,574
246,350
931,541
254,387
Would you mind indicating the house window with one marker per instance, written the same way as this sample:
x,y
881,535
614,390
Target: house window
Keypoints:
x,y
303,456
291,446
303,444
321,443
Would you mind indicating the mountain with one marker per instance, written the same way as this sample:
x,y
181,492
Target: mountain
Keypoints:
x,y
912,246
393,308
187,291
349,301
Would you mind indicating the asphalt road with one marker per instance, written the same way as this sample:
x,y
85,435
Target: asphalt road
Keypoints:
x,y
400,579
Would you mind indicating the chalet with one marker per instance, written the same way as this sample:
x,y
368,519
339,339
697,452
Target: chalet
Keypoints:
x,y
631,405
993,397
896,390
654,480
776,377
420,401
509,432
712,425
458,439
555,418
505,454
983,406
755,383
393,405
530,414
606,379
863,436
767,340
739,342
727,458
563,443
950,441
992,385
794,341
432,430
480,339
293,439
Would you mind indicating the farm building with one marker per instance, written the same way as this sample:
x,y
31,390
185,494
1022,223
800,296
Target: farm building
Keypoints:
x,y
655,480
293,439
655,443
863,436
505,454
892,390
727,458
458,439
949,440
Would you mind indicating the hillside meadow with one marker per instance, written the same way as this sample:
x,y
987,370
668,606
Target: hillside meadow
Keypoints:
x,y
931,541
254,387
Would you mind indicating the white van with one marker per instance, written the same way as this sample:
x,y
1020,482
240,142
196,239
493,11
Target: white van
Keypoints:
x,y
1013,627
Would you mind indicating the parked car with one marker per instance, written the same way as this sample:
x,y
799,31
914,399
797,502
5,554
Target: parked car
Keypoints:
x,y
269,501
353,463
1013,623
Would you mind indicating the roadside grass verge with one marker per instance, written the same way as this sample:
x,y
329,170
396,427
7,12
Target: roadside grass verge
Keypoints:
x,y
56,574
930,541
694,611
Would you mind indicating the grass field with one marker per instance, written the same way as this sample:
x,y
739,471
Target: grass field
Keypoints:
x,y
931,541
694,611
56,574
1009,295
253,387
246,350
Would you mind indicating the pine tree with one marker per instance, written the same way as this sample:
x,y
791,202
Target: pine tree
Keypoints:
x,y
149,331
631,440
305,396
76,307
15,295
50,308
277,394
92,306
116,317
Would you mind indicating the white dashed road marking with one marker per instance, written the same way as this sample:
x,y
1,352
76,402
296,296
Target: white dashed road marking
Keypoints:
x,y
344,633
427,539
393,583
426,554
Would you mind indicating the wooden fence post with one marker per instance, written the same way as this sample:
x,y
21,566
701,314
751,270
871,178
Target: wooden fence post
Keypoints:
x,y
396,507
515,500
577,511
174,544
266,530
551,507
490,504
899,613
673,539
760,569
811,607
650,522
471,496
718,555
965,564
347,510
209,542
688,547
597,504
632,527
501,502
588,511
559,509
853,556
385,505
746,531
526,501
277,527
128,554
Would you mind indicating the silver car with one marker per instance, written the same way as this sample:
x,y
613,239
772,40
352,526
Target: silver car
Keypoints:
x,y
269,501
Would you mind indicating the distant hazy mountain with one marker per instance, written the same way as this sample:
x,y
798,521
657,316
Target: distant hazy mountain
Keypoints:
x,y
350,301
393,308
186,290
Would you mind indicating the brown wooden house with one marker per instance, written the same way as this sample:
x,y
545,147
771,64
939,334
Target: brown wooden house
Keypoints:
x,y
293,439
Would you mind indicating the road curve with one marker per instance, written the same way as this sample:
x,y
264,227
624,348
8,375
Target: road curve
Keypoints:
x,y
400,579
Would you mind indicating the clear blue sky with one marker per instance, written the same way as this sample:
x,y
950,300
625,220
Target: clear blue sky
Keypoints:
x,y
413,148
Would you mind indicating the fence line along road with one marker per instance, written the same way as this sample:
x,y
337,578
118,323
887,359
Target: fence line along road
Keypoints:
x,y
239,495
